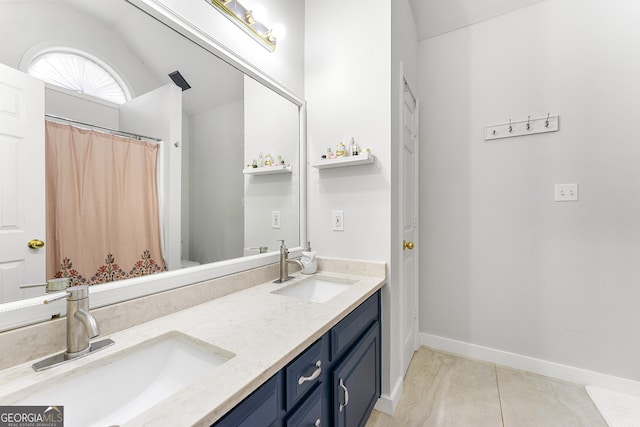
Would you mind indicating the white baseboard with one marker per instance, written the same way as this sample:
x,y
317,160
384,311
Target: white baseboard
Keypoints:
x,y
388,404
530,364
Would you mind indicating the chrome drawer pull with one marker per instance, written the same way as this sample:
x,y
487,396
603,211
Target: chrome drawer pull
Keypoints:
x,y
346,395
317,423
313,376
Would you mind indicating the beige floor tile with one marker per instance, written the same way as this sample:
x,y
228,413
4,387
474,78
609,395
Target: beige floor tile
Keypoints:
x,y
533,400
442,390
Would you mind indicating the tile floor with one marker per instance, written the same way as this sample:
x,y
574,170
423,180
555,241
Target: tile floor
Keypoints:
x,y
445,390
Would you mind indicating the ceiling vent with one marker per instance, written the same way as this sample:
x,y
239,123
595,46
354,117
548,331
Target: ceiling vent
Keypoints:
x,y
179,80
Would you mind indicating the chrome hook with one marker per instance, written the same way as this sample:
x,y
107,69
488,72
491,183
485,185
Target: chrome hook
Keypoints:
x,y
510,127
529,123
546,123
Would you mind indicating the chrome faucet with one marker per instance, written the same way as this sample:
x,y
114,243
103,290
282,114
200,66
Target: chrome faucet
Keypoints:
x,y
81,327
284,263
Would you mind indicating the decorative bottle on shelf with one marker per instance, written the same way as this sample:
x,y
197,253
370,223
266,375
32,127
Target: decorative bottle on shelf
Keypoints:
x,y
268,161
260,160
353,147
341,150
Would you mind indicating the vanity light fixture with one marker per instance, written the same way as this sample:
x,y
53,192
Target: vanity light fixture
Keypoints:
x,y
247,20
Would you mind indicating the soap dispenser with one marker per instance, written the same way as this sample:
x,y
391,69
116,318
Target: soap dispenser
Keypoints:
x,y
309,261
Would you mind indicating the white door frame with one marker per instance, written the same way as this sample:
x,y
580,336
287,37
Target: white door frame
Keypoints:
x,y
413,311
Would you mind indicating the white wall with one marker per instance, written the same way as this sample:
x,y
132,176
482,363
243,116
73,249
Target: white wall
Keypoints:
x,y
216,184
503,265
270,127
86,109
159,114
348,77
185,188
285,65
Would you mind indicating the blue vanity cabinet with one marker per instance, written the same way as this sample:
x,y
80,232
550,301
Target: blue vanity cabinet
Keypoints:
x,y
334,382
355,373
260,408
356,382
306,372
312,412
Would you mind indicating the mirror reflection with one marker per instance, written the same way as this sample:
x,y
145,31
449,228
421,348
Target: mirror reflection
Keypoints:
x,y
136,109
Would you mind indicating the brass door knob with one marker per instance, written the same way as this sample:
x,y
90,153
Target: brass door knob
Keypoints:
x,y
35,244
407,245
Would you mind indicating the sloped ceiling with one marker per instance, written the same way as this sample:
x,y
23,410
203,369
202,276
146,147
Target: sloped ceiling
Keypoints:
x,y
213,81
436,17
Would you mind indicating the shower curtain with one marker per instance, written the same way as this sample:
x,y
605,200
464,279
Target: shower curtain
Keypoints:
x,y
102,206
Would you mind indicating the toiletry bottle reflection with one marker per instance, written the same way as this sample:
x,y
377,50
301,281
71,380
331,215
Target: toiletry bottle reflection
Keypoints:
x,y
353,147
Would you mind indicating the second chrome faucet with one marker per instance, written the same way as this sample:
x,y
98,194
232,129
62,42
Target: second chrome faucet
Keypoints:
x,y
284,263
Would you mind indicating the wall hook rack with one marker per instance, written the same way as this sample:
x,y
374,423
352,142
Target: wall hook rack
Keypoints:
x,y
531,126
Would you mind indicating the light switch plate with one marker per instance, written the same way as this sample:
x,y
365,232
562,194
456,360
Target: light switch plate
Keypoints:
x,y
337,220
566,193
275,219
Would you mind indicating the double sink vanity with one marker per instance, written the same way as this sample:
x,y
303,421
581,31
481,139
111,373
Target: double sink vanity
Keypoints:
x,y
302,352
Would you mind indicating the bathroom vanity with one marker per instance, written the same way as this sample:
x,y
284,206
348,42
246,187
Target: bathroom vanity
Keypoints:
x,y
335,381
286,353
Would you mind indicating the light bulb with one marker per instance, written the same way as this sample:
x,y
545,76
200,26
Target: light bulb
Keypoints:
x,y
259,13
279,31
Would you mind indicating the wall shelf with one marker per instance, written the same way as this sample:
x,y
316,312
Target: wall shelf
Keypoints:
x,y
267,170
361,159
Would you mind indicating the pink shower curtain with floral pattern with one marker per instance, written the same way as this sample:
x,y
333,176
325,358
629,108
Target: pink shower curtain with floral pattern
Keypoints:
x,y
102,206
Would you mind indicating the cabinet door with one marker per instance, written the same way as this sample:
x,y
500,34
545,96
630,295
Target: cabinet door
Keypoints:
x,y
356,381
261,408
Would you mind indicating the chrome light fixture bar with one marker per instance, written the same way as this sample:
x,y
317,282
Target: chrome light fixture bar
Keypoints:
x,y
243,18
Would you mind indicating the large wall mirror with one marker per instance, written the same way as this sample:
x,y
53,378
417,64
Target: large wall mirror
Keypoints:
x,y
216,215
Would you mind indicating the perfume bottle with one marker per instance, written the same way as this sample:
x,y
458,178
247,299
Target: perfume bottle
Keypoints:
x,y
329,154
341,150
353,147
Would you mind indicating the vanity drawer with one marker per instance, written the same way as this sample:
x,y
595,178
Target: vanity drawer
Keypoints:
x,y
352,327
310,412
306,371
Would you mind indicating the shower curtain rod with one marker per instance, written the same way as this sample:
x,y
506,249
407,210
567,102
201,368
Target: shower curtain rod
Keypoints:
x,y
113,131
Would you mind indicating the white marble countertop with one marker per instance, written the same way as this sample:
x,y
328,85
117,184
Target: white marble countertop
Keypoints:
x,y
264,330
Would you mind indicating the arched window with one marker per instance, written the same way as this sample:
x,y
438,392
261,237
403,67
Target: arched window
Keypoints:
x,y
80,73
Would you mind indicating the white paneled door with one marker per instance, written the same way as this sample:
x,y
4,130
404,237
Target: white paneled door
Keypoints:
x,y
409,220
22,202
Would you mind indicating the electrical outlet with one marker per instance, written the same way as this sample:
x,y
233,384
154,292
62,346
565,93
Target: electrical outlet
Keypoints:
x,y
275,219
566,193
337,220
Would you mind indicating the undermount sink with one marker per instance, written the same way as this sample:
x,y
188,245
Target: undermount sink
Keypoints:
x,y
117,388
316,289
